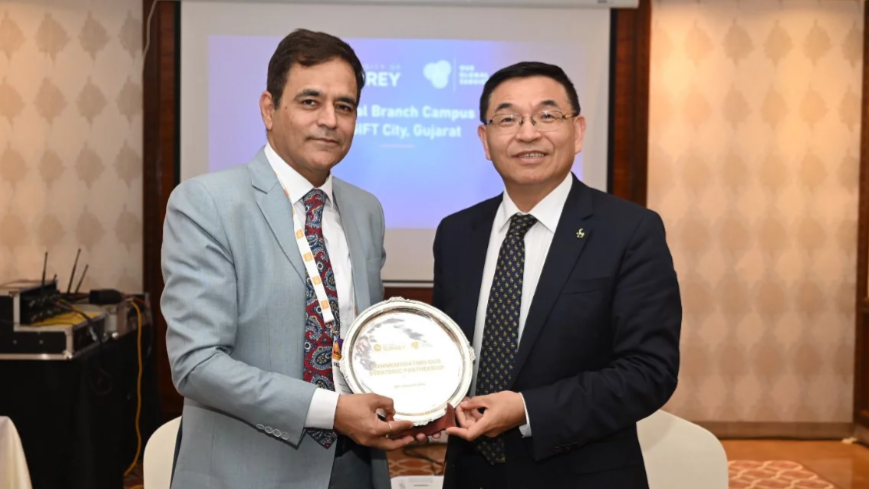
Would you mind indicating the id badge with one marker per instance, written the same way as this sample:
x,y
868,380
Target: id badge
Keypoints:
x,y
338,380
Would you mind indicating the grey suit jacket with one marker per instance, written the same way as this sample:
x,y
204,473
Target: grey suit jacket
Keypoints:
x,y
234,302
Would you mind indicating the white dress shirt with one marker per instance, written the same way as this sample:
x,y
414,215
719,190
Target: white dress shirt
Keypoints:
x,y
537,241
321,412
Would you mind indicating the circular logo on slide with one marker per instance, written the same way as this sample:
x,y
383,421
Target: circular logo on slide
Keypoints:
x,y
438,73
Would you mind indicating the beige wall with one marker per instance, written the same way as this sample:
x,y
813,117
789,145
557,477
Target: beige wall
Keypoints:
x,y
754,147
71,140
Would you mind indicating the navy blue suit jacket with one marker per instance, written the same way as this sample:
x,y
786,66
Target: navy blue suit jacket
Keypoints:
x,y
600,348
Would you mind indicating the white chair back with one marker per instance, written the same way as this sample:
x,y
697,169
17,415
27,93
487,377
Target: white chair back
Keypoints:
x,y
159,456
679,454
14,473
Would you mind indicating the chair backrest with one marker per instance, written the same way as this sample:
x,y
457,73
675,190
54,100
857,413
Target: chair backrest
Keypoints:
x,y
13,464
160,455
679,454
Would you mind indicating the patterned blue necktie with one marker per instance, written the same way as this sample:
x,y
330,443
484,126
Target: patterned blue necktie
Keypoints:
x,y
501,333
318,338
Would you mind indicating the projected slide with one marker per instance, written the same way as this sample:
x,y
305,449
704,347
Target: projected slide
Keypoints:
x,y
416,146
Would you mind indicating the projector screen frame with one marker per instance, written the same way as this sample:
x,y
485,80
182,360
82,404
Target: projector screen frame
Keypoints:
x,y
630,39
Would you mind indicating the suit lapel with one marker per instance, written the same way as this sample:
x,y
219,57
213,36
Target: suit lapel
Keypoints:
x,y
354,242
477,244
277,210
567,245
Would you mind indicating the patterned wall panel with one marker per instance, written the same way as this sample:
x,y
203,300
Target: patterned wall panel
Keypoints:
x,y
753,164
71,140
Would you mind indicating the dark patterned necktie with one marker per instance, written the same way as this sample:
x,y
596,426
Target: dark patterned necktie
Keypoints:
x,y
318,338
501,333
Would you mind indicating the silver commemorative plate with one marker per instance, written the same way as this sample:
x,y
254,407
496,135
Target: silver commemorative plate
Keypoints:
x,y
412,353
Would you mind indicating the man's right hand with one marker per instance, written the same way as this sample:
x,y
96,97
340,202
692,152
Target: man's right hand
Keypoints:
x,y
356,417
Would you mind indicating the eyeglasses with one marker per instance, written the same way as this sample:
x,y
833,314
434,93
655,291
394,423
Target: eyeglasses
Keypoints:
x,y
543,121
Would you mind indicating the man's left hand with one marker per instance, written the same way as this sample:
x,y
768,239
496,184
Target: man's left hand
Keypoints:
x,y
503,411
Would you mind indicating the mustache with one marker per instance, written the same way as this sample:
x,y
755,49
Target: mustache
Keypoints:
x,y
333,135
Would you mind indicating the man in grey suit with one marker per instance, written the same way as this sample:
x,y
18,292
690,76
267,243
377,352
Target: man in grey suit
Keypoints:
x,y
251,334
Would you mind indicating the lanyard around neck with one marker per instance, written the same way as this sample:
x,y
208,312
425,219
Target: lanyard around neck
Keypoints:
x,y
310,263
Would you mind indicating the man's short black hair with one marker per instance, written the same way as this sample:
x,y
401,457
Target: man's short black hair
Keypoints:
x,y
308,48
527,69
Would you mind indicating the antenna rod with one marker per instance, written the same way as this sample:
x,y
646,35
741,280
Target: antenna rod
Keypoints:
x,y
72,275
82,278
44,266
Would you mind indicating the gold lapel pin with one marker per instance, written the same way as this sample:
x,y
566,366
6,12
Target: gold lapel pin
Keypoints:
x,y
581,233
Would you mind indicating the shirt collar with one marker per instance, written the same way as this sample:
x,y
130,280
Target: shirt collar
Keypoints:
x,y
297,185
547,211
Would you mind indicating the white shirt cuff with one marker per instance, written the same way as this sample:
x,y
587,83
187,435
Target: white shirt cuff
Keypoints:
x,y
525,429
321,412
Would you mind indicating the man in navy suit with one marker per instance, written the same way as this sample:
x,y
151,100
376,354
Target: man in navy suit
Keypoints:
x,y
569,298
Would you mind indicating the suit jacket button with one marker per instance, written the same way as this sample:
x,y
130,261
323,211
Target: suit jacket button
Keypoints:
x,y
269,430
260,427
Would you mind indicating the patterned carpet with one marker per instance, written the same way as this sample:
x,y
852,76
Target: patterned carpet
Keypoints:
x,y
744,474
424,460
773,474
134,479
